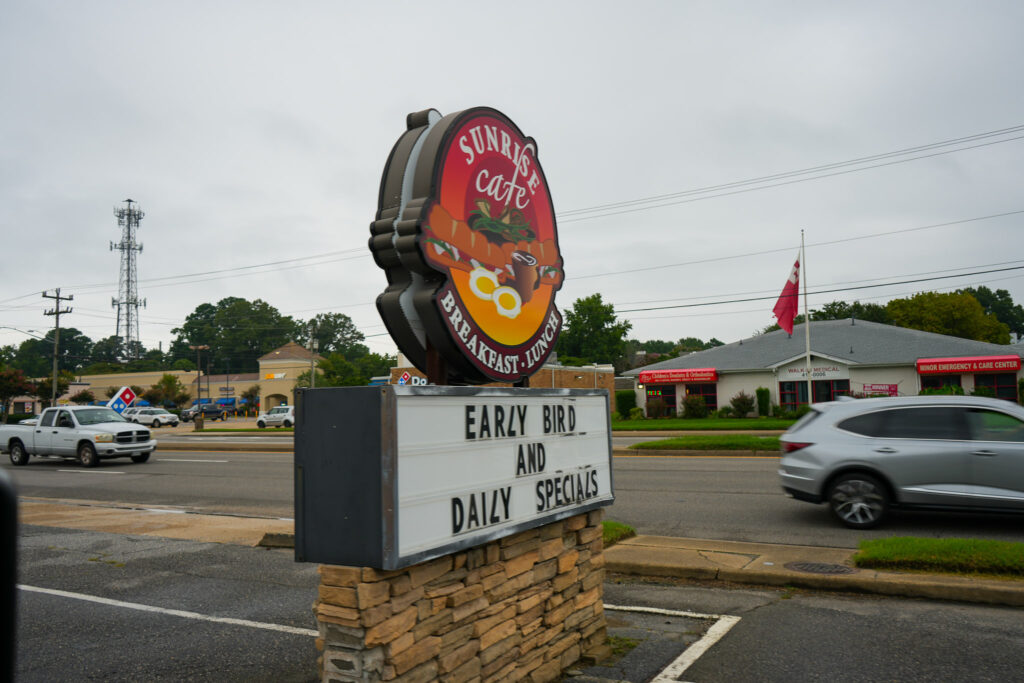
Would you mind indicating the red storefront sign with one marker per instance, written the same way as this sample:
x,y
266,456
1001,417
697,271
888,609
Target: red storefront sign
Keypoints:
x,y
678,376
877,389
943,366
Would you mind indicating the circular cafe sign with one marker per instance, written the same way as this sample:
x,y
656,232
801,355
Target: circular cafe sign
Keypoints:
x,y
477,235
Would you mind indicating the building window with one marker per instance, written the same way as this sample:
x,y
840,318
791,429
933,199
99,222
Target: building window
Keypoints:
x,y
794,394
666,393
708,391
830,389
939,381
1003,384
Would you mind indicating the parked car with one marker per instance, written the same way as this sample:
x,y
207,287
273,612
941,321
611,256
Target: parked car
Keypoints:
x,y
129,413
29,420
155,417
281,416
209,411
865,456
84,433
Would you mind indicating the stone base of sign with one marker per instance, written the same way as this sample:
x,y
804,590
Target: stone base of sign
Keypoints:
x,y
525,607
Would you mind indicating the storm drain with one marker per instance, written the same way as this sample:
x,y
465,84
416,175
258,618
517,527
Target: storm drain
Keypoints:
x,y
820,568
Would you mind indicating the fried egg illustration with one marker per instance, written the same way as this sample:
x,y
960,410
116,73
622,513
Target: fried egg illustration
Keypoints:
x,y
483,282
508,301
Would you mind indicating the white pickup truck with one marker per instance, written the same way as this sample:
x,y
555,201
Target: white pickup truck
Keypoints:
x,y
85,433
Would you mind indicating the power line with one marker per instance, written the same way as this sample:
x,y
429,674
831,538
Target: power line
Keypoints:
x,y
822,291
714,191
842,282
764,252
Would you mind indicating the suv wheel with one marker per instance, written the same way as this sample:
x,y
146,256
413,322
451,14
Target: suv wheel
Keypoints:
x,y
261,424
287,423
859,500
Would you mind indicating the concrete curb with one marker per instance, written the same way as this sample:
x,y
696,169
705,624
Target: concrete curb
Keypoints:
x,y
766,565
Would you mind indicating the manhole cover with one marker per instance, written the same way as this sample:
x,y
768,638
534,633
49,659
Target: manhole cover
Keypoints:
x,y
820,568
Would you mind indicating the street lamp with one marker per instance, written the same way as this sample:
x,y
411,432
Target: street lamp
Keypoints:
x,y
199,372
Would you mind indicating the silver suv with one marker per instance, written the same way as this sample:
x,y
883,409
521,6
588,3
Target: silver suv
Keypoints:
x,y
281,416
864,456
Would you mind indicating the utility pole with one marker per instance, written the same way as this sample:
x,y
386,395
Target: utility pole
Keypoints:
x,y
56,311
314,344
199,372
127,303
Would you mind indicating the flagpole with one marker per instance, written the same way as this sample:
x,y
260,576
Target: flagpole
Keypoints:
x,y
807,321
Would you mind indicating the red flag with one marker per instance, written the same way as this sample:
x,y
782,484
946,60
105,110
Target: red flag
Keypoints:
x,y
788,303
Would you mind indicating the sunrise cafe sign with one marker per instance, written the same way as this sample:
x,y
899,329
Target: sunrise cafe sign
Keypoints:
x,y
466,233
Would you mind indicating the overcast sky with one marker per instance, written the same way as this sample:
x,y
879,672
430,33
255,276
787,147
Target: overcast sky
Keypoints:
x,y
255,133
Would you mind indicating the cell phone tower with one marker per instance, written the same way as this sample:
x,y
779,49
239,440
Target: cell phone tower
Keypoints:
x,y
127,302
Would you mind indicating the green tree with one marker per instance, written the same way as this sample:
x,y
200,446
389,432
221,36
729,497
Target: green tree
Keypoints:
x,y
108,350
44,387
840,310
35,356
592,333
82,397
252,396
167,390
237,331
1000,304
13,383
334,332
953,313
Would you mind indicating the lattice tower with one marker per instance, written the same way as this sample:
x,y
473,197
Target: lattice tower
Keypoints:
x,y
127,302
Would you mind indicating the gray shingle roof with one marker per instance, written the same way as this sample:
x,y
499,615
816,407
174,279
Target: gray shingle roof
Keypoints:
x,y
857,342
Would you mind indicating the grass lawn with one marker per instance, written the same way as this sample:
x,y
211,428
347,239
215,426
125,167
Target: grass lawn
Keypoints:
x,y
709,423
612,532
949,555
714,442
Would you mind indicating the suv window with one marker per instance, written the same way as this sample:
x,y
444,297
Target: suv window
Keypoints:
x,y
991,425
940,422
868,424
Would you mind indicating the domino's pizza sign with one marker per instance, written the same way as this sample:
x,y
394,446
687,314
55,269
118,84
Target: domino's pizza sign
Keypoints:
x,y
122,399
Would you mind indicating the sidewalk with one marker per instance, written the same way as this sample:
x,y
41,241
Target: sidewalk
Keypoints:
x,y
650,556
797,566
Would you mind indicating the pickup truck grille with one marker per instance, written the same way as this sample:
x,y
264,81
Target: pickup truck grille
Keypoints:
x,y
138,436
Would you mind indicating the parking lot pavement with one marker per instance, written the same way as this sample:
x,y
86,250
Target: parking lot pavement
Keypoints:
x,y
119,607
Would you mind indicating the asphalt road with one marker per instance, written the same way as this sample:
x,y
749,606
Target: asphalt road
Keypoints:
x,y
725,498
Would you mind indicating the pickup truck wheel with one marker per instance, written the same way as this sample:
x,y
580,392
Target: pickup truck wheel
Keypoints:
x,y
141,458
19,456
87,455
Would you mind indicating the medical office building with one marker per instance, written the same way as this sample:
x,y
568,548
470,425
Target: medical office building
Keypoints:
x,y
848,357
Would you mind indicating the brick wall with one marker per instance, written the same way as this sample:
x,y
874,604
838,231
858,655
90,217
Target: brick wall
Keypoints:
x,y
523,608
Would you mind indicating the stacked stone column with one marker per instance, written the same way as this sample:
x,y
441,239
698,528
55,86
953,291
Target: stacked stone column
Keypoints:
x,y
525,607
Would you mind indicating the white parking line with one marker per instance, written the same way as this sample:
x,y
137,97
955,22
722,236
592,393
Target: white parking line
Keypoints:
x,y
92,471
174,612
672,672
